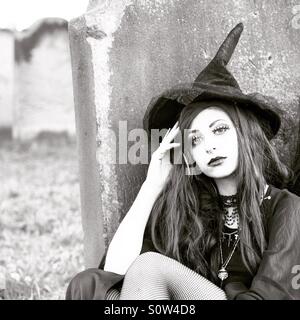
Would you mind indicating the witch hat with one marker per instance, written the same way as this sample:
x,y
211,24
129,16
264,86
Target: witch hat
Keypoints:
x,y
214,82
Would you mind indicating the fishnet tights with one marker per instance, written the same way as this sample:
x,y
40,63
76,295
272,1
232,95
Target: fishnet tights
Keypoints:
x,y
153,276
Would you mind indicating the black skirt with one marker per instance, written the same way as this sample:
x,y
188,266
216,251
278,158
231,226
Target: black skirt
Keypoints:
x,y
93,284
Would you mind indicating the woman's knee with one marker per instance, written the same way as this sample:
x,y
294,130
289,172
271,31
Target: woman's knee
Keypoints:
x,y
147,263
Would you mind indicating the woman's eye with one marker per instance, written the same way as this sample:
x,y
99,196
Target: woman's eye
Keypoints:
x,y
221,129
196,140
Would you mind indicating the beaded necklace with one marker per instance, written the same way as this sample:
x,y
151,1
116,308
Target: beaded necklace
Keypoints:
x,y
231,215
231,219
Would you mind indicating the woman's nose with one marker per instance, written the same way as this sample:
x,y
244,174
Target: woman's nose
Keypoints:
x,y
210,150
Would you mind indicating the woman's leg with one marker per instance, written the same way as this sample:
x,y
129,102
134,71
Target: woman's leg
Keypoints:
x,y
153,276
112,294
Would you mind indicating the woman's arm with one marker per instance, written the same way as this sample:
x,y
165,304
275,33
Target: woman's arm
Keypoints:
x,y
127,242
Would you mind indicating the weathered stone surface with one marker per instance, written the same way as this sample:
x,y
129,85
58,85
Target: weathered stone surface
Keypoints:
x,y
6,78
85,116
43,80
136,49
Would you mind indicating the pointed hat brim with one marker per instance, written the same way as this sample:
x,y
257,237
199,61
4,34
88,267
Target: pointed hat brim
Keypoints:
x,y
213,83
164,110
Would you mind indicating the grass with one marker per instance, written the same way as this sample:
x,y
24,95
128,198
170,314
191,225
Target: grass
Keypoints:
x,y
41,239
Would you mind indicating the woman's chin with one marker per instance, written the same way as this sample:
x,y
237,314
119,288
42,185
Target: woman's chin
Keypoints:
x,y
220,174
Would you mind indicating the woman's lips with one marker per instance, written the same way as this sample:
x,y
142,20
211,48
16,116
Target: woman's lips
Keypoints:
x,y
216,161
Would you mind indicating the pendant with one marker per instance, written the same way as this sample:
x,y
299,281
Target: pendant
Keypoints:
x,y
222,274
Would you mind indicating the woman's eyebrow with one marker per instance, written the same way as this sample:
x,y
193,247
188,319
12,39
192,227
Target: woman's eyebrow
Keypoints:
x,y
193,131
215,122
196,130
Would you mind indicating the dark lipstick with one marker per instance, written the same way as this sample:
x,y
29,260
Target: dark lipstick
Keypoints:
x,y
215,161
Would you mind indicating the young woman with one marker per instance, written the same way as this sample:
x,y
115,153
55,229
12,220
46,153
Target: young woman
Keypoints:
x,y
211,226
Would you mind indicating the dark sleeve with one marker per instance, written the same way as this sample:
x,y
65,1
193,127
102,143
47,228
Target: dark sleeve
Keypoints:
x,y
275,279
147,242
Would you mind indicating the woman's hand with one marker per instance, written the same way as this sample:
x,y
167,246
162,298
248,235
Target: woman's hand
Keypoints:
x,y
160,164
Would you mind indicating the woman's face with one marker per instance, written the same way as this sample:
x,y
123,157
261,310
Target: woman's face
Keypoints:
x,y
214,143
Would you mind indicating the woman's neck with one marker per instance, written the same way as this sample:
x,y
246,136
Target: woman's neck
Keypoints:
x,y
227,186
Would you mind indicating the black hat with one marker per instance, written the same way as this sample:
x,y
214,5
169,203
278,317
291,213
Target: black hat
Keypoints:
x,y
215,82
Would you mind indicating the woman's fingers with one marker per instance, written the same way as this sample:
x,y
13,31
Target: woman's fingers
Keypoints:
x,y
172,145
174,128
167,133
161,151
166,143
171,134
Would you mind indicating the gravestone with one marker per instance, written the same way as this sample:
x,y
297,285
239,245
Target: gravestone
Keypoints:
x,y
43,80
125,52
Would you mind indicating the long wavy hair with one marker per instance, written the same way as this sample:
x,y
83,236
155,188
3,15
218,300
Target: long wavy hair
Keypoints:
x,y
186,219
